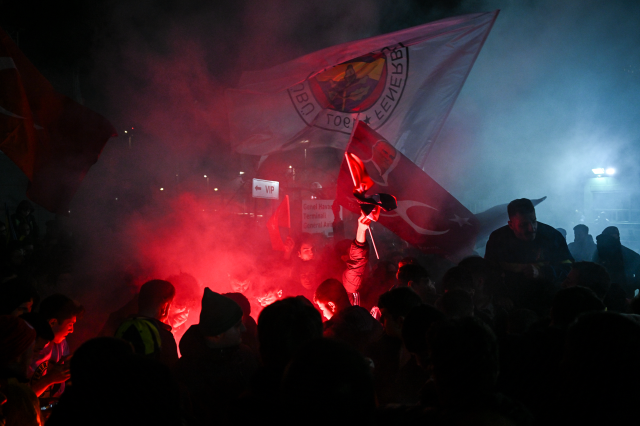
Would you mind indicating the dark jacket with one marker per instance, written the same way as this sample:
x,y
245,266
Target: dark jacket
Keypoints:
x,y
548,252
211,379
624,268
583,251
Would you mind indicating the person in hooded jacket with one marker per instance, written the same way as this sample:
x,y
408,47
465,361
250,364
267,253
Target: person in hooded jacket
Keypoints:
x,y
215,368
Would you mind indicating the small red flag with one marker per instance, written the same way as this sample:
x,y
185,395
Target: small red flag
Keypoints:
x,y
280,219
361,180
426,216
53,139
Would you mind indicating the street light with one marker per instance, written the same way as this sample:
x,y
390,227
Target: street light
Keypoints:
x,y
610,171
598,171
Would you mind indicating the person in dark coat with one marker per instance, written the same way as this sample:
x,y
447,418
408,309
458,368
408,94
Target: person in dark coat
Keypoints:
x,y
215,368
528,249
582,247
622,263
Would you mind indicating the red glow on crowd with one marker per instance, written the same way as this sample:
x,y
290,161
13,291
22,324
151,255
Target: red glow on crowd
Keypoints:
x,y
199,244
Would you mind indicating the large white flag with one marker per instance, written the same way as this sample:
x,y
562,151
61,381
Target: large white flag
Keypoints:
x,y
402,85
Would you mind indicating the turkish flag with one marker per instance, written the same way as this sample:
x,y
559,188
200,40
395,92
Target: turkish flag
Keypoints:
x,y
427,216
361,183
280,219
53,139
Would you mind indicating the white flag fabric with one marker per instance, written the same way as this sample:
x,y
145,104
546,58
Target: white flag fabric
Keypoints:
x,y
401,84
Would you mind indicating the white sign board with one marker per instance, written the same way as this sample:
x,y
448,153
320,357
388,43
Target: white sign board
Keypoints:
x,y
265,189
317,216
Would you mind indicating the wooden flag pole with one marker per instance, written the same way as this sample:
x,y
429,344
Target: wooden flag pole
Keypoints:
x,y
353,178
373,243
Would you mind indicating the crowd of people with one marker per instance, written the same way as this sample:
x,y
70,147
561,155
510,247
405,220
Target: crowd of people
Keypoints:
x,y
535,332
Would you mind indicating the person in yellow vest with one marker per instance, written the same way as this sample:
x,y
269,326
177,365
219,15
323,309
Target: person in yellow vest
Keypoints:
x,y
147,330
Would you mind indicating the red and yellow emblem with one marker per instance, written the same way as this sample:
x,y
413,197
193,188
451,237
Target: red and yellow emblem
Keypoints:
x,y
353,86
367,88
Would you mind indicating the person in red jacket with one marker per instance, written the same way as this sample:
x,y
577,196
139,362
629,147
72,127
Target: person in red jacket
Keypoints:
x,y
357,263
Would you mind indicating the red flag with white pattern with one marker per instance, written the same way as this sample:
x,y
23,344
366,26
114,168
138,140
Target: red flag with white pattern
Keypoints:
x,y
427,216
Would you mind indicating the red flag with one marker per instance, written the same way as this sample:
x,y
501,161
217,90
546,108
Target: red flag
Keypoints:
x,y
280,219
427,215
361,180
53,139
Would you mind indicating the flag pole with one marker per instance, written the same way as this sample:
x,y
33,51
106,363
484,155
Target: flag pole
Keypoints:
x,y
373,243
353,178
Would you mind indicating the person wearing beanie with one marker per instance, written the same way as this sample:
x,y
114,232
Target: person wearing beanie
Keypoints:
x,y
216,366
249,337
17,339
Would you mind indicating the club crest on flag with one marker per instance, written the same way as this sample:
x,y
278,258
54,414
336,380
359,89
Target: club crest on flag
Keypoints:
x,y
401,84
367,88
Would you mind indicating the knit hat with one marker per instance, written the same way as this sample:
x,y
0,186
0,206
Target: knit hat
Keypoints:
x,y
611,230
15,337
218,313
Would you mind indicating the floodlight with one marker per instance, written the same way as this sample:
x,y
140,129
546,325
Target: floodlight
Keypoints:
x,y
611,171
598,171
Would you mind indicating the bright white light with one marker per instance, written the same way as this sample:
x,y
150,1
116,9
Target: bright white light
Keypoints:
x,y
161,189
205,175
125,131
241,173
305,141
290,167
598,171
611,171
215,189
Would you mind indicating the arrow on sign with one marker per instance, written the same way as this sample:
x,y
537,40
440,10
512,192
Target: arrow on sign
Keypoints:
x,y
258,188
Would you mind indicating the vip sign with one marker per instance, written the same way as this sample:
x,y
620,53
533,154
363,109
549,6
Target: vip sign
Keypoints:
x,y
265,189
317,216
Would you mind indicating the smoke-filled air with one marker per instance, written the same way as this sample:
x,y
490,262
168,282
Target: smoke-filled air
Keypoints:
x,y
243,127
552,94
